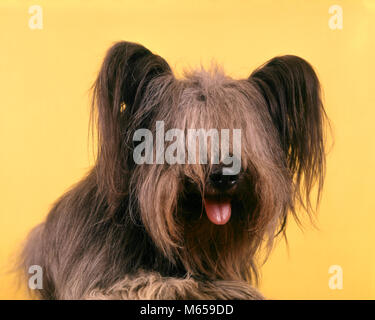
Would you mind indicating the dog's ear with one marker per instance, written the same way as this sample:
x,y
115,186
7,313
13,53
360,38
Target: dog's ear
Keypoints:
x,y
117,94
291,91
127,69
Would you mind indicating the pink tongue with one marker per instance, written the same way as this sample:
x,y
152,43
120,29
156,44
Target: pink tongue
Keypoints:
x,y
218,211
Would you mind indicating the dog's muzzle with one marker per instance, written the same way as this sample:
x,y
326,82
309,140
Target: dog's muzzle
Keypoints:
x,y
222,182
219,208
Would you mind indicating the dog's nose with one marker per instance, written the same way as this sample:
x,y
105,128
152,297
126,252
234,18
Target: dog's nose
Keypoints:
x,y
223,182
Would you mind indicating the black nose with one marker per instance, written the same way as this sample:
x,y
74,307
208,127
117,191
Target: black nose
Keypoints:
x,y
223,182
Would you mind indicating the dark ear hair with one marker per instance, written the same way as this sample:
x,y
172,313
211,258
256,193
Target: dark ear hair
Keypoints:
x,y
291,91
122,81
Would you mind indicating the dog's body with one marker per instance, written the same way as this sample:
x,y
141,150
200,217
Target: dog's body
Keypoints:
x,y
182,231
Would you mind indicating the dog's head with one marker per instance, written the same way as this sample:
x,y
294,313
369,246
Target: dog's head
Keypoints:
x,y
210,166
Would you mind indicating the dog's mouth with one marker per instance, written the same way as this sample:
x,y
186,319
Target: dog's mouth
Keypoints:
x,y
216,206
218,210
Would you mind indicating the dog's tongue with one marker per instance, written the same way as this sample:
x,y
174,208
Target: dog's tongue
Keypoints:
x,y
218,211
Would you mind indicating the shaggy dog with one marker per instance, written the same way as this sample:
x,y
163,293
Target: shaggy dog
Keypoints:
x,y
184,230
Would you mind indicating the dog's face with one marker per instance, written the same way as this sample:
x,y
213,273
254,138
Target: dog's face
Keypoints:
x,y
208,209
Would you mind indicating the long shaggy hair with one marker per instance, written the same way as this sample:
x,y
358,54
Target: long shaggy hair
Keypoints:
x,y
130,231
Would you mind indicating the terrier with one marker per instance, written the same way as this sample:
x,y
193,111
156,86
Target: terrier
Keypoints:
x,y
151,222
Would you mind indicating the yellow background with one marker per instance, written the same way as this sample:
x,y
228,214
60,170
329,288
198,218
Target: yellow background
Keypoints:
x,y
45,76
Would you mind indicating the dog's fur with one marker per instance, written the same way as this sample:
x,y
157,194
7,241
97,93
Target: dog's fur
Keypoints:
x,y
129,231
